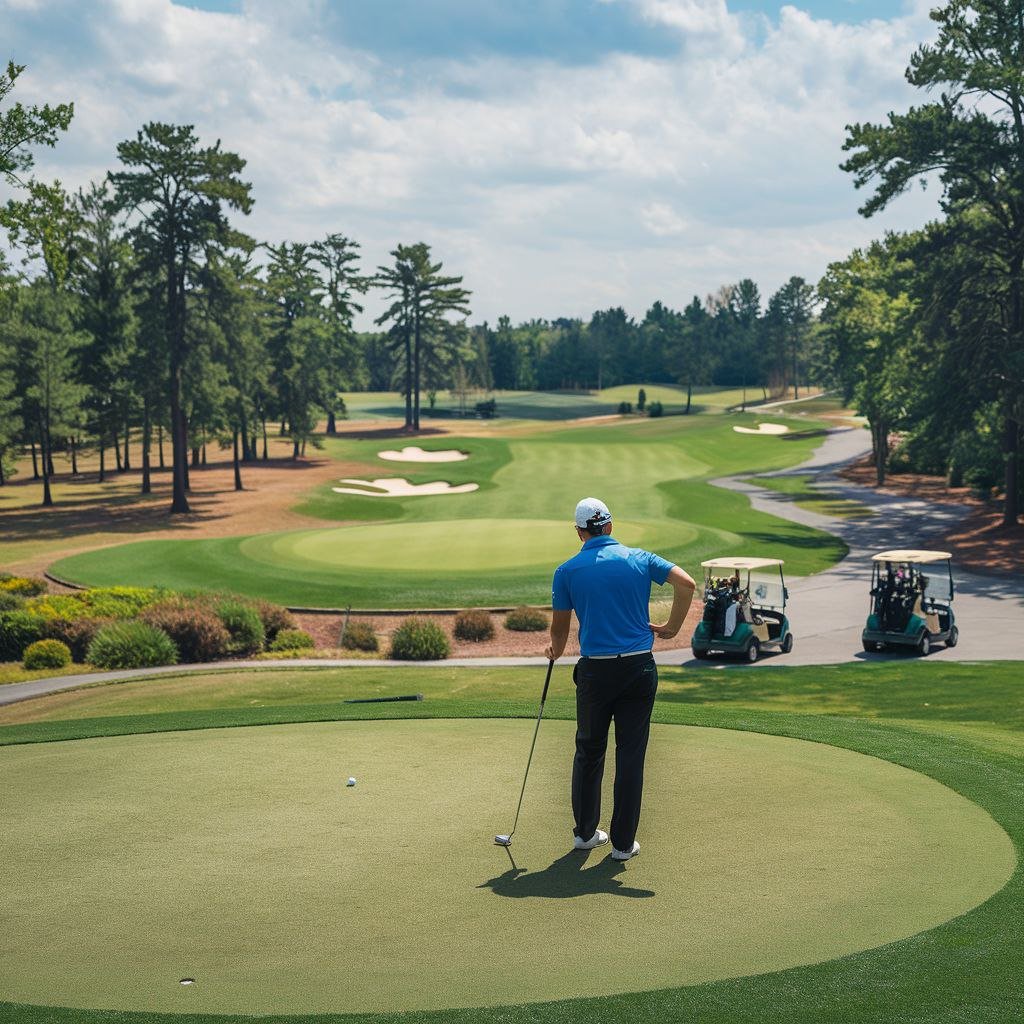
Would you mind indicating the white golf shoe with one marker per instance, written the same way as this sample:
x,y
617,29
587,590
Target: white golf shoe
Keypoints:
x,y
626,854
599,838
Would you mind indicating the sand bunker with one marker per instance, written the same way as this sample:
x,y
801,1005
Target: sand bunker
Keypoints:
x,y
414,454
764,428
399,487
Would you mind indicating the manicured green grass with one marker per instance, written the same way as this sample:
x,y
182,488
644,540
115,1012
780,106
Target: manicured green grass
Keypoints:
x,y
961,724
498,545
828,503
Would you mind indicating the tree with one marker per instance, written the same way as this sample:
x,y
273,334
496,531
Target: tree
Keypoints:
x,y
179,192
422,299
22,127
691,348
790,314
972,138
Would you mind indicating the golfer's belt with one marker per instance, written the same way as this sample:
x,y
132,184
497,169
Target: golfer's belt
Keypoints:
x,y
612,657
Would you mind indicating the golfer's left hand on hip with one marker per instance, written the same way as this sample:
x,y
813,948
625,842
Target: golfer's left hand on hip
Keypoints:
x,y
665,632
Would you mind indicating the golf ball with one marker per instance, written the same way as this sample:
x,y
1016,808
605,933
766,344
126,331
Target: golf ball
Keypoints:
x,y
351,781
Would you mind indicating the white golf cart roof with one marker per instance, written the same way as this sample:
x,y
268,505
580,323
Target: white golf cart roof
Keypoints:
x,y
741,563
921,557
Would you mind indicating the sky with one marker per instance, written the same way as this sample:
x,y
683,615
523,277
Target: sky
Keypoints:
x,y
562,155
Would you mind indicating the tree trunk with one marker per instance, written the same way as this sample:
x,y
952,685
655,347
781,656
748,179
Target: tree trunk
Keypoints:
x,y
204,454
74,456
127,440
880,449
147,437
195,457
35,464
304,447
416,376
238,471
179,443
689,396
264,439
1011,453
332,427
103,459
160,444
44,457
295,449
117,450
408,381
2,481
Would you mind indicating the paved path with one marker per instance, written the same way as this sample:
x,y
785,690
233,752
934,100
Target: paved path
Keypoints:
x,y
827,610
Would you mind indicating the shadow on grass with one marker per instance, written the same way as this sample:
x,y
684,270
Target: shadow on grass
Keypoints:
x,y
564,878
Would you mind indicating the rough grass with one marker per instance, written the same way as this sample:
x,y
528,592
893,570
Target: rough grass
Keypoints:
x,y
828,503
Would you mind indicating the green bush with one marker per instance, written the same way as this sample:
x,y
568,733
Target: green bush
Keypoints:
x,y
274,618
625,408
244,626
359,636
474,624
292,640
655,409
46,654
419,640
526,620
18,629
9,601
195,629
25,586
78,634
131,644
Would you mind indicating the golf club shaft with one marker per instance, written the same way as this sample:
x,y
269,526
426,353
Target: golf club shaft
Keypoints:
x,y
536,729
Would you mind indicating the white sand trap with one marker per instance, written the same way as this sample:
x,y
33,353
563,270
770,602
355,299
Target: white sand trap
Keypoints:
x,y
399,487
764,428
414,454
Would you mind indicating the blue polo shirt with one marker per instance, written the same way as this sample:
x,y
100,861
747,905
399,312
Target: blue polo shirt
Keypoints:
x,y
609,587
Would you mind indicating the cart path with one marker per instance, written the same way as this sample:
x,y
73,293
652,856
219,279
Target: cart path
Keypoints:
x,y
827,610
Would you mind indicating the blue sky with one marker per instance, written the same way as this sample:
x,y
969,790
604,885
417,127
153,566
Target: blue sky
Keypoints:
x,y
563,155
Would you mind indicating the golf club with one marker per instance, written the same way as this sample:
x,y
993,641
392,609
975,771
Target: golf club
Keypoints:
x,y
507,840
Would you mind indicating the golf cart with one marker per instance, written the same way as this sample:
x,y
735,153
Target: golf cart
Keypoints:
x,y
908,608
744,608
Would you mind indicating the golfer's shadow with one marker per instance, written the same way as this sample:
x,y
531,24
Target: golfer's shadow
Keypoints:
x,y
565,878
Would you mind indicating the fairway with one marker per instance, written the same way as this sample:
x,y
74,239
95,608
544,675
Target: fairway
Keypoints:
x,y
496,545
239,858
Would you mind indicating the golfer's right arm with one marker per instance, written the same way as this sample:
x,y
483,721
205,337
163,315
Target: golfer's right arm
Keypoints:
x,y
560,623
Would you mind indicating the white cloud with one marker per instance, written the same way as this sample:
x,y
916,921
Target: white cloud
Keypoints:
x,y
556,189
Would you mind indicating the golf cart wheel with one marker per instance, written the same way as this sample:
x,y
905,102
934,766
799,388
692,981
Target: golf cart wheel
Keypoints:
x,y
700,653
953,638
924,645
753,651
869,645
787,644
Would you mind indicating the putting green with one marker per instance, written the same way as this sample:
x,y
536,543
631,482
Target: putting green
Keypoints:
x,y
239,858
468,545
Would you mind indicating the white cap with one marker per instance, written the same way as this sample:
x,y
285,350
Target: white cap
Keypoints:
x,y
592,512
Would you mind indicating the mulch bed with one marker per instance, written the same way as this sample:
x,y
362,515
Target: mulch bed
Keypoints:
x,y
980,543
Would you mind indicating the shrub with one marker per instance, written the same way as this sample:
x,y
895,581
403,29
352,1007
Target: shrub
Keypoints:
x,y
78,634
526,620
274,618
131,644
474,624
244,626
359,636
47,654
26,586
99,603
195,629
625,408
18,629
292,640
655,409
9,601
419,640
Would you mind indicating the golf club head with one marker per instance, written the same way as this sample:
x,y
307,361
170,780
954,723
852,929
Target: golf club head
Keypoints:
x,y
503,840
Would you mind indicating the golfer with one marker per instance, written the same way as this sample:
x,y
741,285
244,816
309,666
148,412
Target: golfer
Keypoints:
x,y
608,586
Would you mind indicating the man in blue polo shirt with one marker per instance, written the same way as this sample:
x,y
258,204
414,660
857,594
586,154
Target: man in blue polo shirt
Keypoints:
x,y
609,587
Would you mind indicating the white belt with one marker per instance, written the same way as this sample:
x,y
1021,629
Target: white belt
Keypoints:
x,y
612,657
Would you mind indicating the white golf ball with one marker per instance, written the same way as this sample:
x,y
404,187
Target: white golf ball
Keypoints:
x,y
351,782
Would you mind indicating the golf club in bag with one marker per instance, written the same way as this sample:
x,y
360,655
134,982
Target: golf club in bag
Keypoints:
x,y
507,840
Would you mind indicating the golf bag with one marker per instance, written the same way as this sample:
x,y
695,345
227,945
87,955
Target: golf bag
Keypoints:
x,y
717,598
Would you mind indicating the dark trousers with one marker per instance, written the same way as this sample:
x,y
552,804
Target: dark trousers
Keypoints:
x,y
619,689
